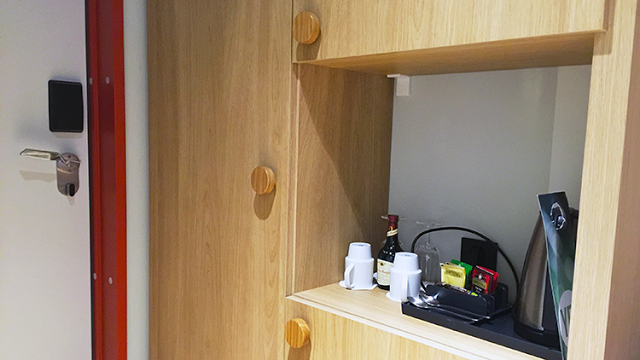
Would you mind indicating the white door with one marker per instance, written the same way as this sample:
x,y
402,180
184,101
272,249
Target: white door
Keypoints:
x,y
45,284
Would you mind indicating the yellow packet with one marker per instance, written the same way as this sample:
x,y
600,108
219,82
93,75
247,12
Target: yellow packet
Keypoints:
x,y
453,274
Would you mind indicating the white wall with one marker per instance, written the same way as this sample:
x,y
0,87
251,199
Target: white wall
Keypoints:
x,y
45,277
475,149
135,51
569,131
45,308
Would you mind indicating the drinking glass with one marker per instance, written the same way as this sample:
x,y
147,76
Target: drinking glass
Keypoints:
x,y
428,255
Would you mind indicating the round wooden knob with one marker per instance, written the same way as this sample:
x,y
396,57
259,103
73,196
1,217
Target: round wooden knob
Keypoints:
x,y
297,333
263,180
306,27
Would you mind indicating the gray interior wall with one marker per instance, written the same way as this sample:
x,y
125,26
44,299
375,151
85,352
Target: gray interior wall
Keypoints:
x,y
569,131
475,149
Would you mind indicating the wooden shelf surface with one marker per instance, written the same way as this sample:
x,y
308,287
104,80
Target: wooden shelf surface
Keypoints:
x,y
372,308
540,51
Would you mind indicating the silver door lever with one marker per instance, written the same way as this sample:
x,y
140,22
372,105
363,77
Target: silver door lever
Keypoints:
x,y
48,155
67,168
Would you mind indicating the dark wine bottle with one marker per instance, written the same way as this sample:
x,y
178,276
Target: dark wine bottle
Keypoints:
x,y
388,253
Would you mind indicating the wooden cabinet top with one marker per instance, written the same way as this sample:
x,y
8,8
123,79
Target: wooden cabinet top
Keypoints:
x,y
387,31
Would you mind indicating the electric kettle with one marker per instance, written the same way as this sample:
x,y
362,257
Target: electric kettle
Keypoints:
x,y
533,311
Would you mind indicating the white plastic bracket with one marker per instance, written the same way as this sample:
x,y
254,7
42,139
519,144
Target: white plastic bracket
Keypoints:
x,y
403,84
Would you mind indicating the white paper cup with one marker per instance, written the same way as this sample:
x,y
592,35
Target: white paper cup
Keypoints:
x,y
405,277
359,251
406,261
358,273
403,284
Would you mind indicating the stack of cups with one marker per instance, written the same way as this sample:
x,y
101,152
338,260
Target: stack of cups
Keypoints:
x,y
405,277
358,273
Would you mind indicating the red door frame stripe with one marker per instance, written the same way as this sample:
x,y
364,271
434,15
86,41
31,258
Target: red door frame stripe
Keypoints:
x,y
105,58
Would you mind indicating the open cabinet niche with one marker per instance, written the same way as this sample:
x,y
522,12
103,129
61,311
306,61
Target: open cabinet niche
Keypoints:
x,y
605,309
353,141
343,122
467,149
474,150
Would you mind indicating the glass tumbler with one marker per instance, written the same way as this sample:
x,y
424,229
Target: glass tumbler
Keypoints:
x,y
429,258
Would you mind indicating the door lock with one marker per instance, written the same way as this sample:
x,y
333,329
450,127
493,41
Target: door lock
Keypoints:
x,y
67,168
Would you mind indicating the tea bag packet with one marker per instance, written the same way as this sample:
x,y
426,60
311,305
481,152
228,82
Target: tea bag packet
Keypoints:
x,y
467,270
453,274
484,281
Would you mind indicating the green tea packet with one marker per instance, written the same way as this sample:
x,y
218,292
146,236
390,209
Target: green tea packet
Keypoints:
x,y
467,269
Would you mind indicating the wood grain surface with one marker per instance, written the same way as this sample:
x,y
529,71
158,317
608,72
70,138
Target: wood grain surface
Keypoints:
x,y
361,27
342,175
219,92
372,309
220,104
336,337
605,311
541,51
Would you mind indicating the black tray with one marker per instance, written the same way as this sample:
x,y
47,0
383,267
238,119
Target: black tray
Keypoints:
x,y
498,330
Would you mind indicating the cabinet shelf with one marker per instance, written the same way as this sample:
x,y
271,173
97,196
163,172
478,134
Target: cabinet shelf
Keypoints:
x,y
372,308
540,51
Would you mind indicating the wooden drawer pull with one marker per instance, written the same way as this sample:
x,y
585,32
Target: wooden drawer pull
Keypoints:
x,y
297,333
263,180
306,27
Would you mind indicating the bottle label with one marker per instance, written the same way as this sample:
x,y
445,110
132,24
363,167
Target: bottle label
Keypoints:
x,y
384,272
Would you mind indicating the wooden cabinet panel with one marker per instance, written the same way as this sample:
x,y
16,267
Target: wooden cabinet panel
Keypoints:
x,y
374,309
361,27
402,348
222,100
336,337
604,322
219,92
342,175
544,51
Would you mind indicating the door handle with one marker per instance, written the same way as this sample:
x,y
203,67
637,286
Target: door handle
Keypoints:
x,y
297,333
263,180
40,154
67,168
306,27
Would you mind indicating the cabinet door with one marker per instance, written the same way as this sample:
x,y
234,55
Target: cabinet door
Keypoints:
x,y
219,90
336,337
361,27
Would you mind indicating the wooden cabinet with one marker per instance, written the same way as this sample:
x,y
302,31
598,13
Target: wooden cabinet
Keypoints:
x,y
359,28
224,98
348,323
336,337
219,89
